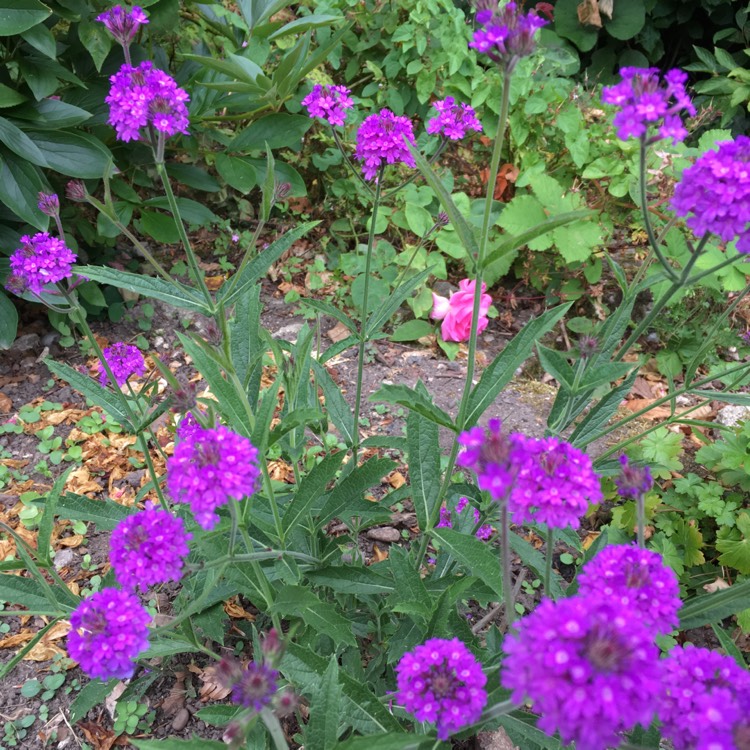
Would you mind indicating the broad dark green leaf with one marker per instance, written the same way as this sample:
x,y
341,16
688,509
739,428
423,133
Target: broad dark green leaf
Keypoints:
x,y
93,693
10,97
26,592
177,295
20,185
312,486
51,114
351,580
8,321
424,466
418,402
237,172
278,130
556,364
390,741
159,227
172,744
96,39
20,143
481,560
502,369
193,176
73,154
91,389
19,15
711,608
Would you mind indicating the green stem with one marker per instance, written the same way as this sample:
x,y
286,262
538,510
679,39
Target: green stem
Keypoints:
x,y
548,562
267,554
274,729
510,611
363,322
349,164
499,709
640,503
191,257
416,173
245,258
235,527
267,593
562,422
272,501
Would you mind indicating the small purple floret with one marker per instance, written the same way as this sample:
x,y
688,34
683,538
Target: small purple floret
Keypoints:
x,y
590,668
41,260
329,103
109,631
124,360
147,548
382,139
645,101
143,97
716,192
442,682
255,687
453,120
209,468
123,24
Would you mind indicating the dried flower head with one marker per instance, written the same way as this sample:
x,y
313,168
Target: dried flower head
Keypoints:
x,y
210,468
506,34
41,260
108,632
453,120
147,548
123,24
590,668
382,139
714,193
124,360
146,97
647,102
442,682
329,103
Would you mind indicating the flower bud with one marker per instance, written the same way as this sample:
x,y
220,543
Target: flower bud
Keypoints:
x,y
49,204
76,191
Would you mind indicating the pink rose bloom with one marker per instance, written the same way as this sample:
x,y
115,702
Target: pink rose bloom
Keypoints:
x,y
455,312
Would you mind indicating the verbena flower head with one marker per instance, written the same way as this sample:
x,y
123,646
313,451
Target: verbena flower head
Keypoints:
x,y
638,580
715,193
42,259
124,360
441,682
143,97
705,700
589,667
123,24
255,686
457,311
49,204
453,120
329,103
554,484
506,34
381,140
646,101
445,519
209,468
633,481
147,548
109,631
493,456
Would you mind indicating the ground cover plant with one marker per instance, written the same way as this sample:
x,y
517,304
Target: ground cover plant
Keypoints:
x,y
581,640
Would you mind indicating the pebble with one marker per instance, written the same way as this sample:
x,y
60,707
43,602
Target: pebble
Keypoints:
x,y
49,338
385,534
26,343
733,414
63,558
180,720
289,332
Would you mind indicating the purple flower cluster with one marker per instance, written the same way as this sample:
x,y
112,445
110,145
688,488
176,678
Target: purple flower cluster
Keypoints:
x,y
440,681
453,120
716,192
554,483
109,631
124,360
506,34
49,204
590,667
636,579
705,701
209,468
646,101
123,24
633,481
382,139
41,259
147,548
255,686
329,103
145,96
544,480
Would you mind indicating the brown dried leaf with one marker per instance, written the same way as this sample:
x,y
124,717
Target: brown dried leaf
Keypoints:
x,y
233,609
378,554
6,405
396,480
212,689
588,13
716,585
175,700
338,333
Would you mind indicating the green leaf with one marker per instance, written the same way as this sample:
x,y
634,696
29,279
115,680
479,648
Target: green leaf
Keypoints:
x,y
237,172
17,16
735,549
278,130
20,143
418,402
411,595
322,617
193,176
91,389
96,39
535,560
323,728
351,580
218,716
711,608
424,466
92,694
73,154
301,25
51,114
328,309
412,330
502,369
338,409
556,364
419,219
354,486
8,322
177,295
388,741
481,560
10,97
361,707
27,593
627,19
46,525
522,732
159,227
104,514
258,267
312,486
192,744
20,185
191,212
392,302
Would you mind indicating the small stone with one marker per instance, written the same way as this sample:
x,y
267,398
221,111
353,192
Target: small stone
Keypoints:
x,y
384,534
733,414
289,332
49,338
26,343
180,720
63,558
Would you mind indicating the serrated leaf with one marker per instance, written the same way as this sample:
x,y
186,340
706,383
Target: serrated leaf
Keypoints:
x,y
556,364
410,588
218,716
92,694
325,713
418,402
338,409
354,486
27,593
481,560
351,580
424,466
